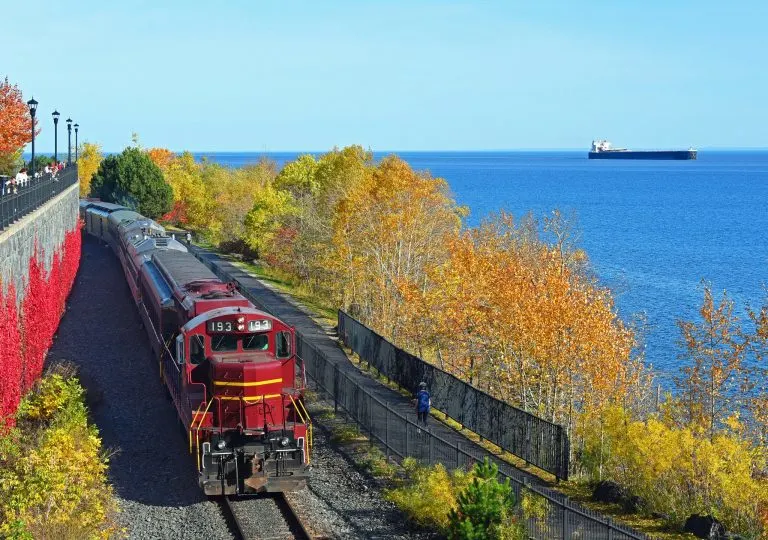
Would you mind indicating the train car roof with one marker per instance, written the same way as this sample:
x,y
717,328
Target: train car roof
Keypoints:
x,y
182,267
124,214
104,206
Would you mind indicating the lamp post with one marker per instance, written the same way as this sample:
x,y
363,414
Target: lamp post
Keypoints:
x,y
76,126
32,110
55,115
69,144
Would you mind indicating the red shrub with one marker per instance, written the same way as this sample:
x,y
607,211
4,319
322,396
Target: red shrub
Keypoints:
x,y
24,341
10,356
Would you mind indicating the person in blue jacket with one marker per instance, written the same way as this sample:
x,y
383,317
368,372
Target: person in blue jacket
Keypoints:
x,y
423,403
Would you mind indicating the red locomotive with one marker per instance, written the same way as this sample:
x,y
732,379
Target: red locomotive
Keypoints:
x,y
230,368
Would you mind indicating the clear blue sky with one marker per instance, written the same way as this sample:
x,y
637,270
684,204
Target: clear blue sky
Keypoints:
x,y
252,76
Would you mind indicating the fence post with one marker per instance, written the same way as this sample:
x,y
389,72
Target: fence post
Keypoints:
x,y
407,449
565,519
457,454
431,444
386,432
610,528
370,419
336,389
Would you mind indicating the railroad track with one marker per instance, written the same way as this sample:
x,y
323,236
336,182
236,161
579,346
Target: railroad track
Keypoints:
x,y
265,517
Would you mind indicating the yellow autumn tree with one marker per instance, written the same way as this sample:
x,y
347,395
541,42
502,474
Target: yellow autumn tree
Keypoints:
x,y
712,383
192,205
270,208
232,195
303,243
388,230
88,162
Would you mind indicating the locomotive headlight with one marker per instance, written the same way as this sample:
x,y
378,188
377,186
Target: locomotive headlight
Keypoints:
x,y
221,444
284,441
241,319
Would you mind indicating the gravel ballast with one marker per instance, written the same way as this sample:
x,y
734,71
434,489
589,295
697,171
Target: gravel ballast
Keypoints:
x,y
153,475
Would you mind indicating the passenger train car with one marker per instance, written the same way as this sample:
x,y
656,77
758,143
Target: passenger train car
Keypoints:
x,y
230,368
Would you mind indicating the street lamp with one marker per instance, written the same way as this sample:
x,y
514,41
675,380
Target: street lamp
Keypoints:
x,y
76,126
69,144
32,110
56,136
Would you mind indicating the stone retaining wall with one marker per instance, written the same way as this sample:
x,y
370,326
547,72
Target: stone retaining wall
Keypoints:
x,y
40,232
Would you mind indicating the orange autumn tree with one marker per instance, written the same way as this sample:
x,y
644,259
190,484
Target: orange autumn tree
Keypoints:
x,y
162,157
522,319
15,123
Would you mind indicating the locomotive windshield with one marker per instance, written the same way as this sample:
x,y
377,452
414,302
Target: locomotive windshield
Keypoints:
x,y
255,342
229,342
224,342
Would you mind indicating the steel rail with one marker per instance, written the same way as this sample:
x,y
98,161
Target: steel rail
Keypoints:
x,y
231,518
285,506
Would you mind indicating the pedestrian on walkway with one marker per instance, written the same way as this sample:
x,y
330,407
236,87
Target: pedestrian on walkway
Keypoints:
x,y
423,403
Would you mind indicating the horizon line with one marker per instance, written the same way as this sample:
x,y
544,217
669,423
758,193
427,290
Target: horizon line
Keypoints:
x,y
432,151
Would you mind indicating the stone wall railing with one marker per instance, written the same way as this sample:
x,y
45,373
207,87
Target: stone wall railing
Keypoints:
x,y
18,199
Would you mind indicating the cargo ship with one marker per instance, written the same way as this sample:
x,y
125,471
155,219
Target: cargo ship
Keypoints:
x,y
602,149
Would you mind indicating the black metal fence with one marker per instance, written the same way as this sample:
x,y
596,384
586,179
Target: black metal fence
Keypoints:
x,y
556,517
521,433
16,201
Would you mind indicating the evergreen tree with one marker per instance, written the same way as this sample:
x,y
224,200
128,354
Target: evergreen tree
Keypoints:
x,y
484,509
132,179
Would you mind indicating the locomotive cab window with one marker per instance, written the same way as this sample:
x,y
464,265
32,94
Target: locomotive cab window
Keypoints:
x,y
180,349
256,342
197,349
283,344
224,342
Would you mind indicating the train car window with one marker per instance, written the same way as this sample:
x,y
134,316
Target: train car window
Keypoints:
x,y
224,342
256,342
197,350
283,345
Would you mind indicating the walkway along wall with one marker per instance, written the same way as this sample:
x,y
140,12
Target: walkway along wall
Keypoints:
x,y
521,433
39,258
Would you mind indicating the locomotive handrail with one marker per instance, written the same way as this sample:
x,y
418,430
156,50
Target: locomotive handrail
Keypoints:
x,y
197,432
308,423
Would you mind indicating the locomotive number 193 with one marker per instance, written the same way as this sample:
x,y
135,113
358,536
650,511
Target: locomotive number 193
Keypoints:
x,y
222,326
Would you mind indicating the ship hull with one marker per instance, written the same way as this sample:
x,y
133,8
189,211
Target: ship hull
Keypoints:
x,y
640,154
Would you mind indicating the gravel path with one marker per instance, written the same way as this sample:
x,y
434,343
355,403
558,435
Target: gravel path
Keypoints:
x,y
152,472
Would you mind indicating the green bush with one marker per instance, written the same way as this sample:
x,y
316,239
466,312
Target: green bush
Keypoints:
x,y
53,474
132,179
484,510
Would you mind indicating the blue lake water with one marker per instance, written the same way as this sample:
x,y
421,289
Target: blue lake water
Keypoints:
x,y
652,229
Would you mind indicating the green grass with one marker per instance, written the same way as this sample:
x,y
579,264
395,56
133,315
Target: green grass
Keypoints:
x,y
345,433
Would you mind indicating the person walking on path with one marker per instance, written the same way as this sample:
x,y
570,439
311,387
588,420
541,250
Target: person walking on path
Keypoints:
x,y
423,403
